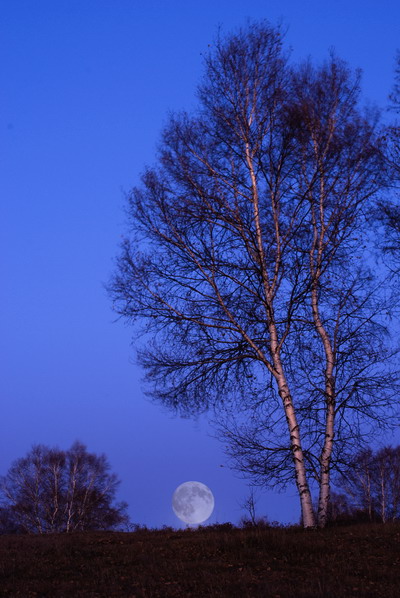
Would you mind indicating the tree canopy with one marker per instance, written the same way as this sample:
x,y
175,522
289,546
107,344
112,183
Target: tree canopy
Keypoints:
x,y
245,264
51,490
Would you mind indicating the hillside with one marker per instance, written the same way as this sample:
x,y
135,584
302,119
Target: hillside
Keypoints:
x,y
357,560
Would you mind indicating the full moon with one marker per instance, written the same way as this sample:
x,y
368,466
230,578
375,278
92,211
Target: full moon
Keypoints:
x,y
193,502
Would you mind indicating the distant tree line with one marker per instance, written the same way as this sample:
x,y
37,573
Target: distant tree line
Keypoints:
x,y
52,490
369,487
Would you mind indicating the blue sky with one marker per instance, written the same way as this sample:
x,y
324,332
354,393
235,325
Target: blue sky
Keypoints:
x,y
86,86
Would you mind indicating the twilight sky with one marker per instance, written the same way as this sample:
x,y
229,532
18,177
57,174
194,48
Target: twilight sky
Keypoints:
x,y
86,86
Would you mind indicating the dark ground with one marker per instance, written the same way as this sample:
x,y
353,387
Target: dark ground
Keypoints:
x,y
357,560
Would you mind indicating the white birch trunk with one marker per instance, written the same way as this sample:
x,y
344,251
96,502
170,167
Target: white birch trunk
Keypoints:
x,y
303,489
327,448
316,258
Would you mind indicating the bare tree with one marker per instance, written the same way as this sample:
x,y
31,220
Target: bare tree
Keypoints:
x,y
249,506
340,508
394,127
388,210
237,240
357,482
341,168
341,362
51,490
372,483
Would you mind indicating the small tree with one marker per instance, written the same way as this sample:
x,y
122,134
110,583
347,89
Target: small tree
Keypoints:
x,y
51,490
249,506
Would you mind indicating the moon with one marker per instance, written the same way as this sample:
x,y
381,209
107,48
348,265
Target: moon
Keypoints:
x,y
193,502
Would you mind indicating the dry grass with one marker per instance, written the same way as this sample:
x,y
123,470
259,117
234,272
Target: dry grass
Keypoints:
x,y
359,560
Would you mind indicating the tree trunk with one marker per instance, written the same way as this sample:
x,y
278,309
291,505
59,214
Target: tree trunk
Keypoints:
x,y
324,488
269,290
307,513
316,259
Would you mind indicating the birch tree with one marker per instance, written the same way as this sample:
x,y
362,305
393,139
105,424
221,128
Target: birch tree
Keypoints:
x,y
51,490
371,483
342,168
388,210
233,237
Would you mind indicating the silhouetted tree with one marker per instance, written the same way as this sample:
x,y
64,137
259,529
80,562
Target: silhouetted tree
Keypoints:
x,y
340,508
249,506
394,128
388,211
240,258
51,490
9,522
371,483
339,357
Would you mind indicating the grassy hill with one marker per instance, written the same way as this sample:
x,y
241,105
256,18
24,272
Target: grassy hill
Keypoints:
x,y
357,560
